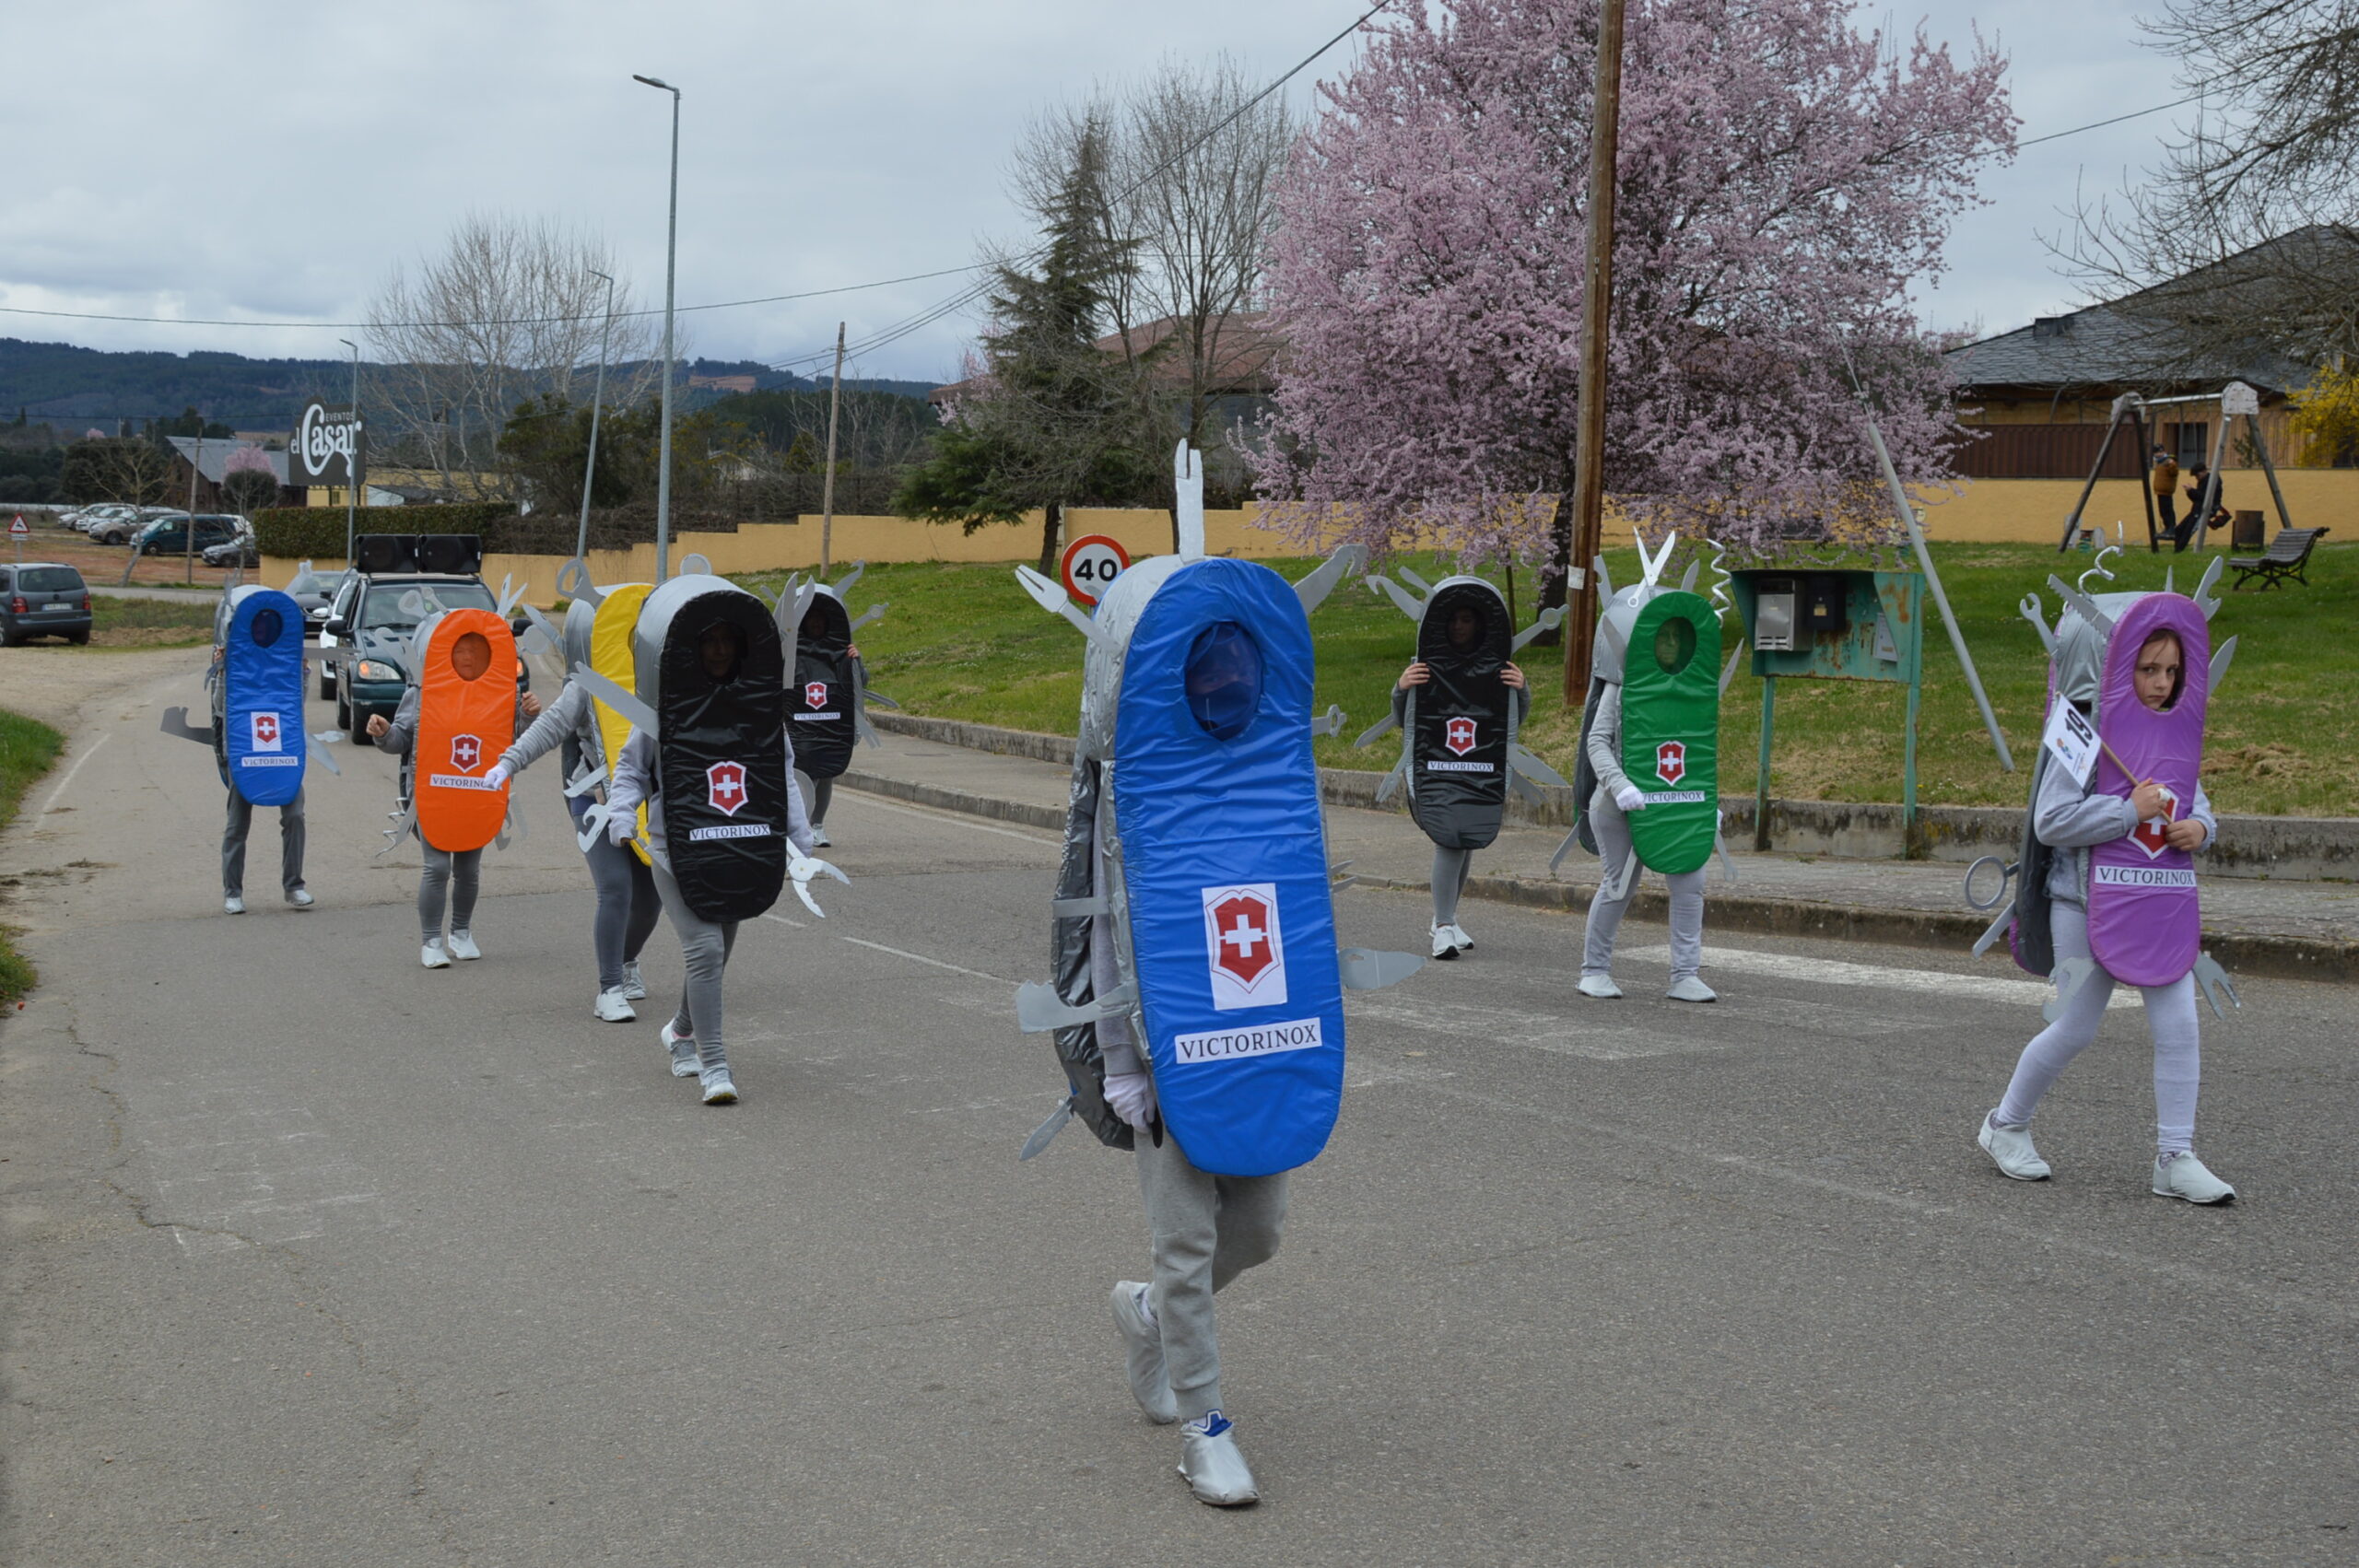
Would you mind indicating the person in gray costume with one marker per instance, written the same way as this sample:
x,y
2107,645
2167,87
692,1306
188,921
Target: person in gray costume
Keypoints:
x,y
1617,876
627,905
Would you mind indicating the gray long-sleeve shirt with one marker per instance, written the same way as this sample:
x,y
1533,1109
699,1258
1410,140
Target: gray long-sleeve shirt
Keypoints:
x,y
1604,744
2071,820
633,783
572,715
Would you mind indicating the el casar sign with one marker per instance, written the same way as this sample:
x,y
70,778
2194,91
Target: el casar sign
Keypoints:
x,y
326,447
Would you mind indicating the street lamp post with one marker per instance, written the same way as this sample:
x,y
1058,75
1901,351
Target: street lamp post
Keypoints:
x,y
671,258
590,465
352,463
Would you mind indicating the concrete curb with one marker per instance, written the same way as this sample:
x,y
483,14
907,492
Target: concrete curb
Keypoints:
x,y
2275,957
2298,848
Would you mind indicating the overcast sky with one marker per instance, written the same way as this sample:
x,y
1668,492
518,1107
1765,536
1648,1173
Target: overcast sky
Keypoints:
x,y
256,160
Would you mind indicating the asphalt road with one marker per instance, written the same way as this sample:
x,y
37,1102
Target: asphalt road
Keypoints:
x,y
313,1256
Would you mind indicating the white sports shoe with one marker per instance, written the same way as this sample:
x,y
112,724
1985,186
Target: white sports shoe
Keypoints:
x,y
233,904
718,1088
2184,1175
1444,949
1600,986
1217,1471
634,989
301,898
2010,1149
819,838
612,1007
1688,988
683,1051
432,955
1458,934
462,945
1142,1344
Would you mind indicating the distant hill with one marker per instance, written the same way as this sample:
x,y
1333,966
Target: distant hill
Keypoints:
x,y
70,387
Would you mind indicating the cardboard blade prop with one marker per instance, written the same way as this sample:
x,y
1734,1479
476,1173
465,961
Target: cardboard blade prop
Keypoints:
x,y
258,700
463,726
1671,725
721,759
2145,918
1461,721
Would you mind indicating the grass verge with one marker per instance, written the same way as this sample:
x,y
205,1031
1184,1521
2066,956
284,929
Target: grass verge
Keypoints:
x,y
28,749
150,622
964,642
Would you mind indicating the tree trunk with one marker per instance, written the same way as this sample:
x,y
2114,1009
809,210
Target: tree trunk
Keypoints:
x,y
1052,516
1553,571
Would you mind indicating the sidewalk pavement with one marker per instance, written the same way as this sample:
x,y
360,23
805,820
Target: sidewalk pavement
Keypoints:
x,y
2288,929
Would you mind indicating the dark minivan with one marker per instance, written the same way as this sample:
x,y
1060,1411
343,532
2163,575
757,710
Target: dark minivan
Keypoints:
x,y
41,598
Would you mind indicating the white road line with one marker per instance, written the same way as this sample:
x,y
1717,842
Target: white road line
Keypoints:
x,y
781,919
1836,972
957,818
922,958
51,804
1589,1036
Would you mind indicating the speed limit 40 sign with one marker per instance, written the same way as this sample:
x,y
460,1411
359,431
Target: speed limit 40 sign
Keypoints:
x,y
1091,564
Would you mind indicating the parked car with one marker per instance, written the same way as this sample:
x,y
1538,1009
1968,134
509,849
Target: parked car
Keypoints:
x,y
239,552
42,598
111,522
168,535
369,608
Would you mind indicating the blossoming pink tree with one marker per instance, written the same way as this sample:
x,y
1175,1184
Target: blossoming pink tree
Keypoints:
x,y
1783,177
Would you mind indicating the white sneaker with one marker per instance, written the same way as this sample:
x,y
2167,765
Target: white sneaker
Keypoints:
x,y
683,1049
612,1008
1688,988
233,904
2010,1149
432,955
1458,934
718,1089
1142,1343
301,898
634,989
1444,949
2184,1175
462,945
819,838
1600,986
1209,1457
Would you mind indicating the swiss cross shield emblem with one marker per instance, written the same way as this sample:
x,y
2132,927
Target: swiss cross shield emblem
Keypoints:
x,y
466,752
814,694
2148,835
266,731
1242,932
1671,761
725,786
1459,735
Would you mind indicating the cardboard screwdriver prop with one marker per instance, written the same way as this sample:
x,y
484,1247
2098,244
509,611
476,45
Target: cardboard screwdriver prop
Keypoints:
x,y
1193,906
1458,753
256,692
2145,914
827,696
721,746
1662,646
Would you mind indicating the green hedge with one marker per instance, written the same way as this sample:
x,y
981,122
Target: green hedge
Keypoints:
x,y
317,532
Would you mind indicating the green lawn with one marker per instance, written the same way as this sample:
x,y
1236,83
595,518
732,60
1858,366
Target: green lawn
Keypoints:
x,y
28,749
151,623
964,642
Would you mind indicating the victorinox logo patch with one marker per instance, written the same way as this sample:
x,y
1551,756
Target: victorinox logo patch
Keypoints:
x,y
1459,735
1244,949
1671,761
725,786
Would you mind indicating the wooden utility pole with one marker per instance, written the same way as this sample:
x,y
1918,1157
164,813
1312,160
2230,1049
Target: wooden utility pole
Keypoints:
x,y
1597,304
827,491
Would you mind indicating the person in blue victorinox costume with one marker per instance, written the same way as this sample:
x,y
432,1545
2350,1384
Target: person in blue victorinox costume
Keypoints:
x,y
1198,1001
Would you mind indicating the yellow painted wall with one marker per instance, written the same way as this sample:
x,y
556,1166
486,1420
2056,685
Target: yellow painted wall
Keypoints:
x,y
2032,511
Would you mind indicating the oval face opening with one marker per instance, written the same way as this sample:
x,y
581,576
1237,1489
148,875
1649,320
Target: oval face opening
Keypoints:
x,y
1674,645
267,624
1224,679
471,656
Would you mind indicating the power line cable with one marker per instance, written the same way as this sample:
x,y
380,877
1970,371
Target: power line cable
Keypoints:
x,y
2098,125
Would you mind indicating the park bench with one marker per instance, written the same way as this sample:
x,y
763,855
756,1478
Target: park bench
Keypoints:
x,y
2287,558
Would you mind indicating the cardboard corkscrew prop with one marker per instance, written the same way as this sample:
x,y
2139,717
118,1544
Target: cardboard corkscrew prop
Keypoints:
x,y
828,698
1194,908
255,690
721,746
2145,914
1459,752
1662,646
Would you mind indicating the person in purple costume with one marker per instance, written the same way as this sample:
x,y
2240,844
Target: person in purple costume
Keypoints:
x,y
2122,874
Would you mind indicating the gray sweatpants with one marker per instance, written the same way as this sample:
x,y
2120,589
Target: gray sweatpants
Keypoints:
x,y
234,845
1207,1230
451,876
705,947
628,907
822,792
1450,867
1613,830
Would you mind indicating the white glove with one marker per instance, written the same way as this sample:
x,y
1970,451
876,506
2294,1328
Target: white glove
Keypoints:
x,y
497,777
620,826
1130,1095
1629,798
